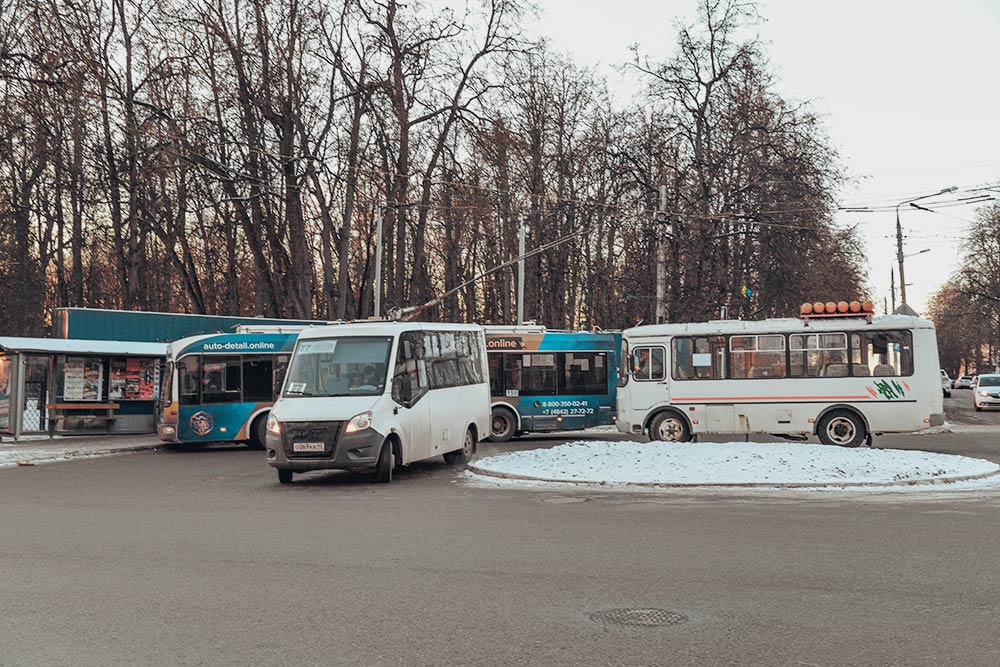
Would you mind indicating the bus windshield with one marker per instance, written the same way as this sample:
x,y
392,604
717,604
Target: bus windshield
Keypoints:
x,y
340,366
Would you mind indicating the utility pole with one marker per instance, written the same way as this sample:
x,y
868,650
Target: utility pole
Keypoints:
x,y
520,272
899,258
661,256
892,287
899,240
377,290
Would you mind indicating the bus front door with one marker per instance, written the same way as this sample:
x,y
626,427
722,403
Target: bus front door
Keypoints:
x,y
649,385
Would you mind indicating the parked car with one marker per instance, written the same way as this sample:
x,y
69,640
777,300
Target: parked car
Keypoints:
x,y
987,392
964,382
945,383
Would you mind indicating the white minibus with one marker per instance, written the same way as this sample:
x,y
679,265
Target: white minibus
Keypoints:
x,y
373,395
842,378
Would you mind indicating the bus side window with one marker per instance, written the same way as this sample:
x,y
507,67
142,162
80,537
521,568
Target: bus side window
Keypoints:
x,y
409,377
647,363
584,374
258,379
702,358
187,374
512,373
882,353
221,380
280,368
496,373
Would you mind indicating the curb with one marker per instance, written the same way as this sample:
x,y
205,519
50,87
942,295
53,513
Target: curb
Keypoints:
x,y
738,485
57,457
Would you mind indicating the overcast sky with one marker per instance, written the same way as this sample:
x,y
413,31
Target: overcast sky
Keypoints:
x,y
909,91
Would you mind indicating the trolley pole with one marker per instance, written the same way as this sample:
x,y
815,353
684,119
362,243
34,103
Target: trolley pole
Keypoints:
x,y
520,272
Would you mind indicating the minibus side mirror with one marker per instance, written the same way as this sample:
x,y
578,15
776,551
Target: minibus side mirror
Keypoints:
x,y
402,391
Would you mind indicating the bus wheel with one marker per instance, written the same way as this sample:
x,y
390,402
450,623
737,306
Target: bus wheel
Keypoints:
x,y
842,428
257,433
386,462
463,455
502,425
284,476
669,427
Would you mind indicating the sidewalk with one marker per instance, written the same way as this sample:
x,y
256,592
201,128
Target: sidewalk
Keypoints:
x,y
34,452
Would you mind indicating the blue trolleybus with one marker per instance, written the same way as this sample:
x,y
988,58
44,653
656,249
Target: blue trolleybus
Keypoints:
x,y
220,387
543,380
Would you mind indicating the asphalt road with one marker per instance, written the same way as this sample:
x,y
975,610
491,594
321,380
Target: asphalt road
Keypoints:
x,y
199,557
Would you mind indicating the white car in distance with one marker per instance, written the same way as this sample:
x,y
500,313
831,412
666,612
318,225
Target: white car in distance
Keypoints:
x,y
945,383
986,392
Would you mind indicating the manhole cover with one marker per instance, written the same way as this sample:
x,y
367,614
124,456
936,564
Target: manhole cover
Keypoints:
x,y
645,618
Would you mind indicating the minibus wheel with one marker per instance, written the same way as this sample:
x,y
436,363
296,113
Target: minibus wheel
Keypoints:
x,y
842,428
503,423
669,427
284,476
386,462
463,455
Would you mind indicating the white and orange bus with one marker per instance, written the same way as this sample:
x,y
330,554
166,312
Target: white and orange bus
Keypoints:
x,y
842,376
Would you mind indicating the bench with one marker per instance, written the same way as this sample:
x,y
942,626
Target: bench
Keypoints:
x,y
57,419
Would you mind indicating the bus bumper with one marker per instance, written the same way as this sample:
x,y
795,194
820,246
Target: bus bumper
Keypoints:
x,y
345,451
167,432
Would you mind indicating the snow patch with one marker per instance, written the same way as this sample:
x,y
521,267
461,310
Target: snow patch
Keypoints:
x,y
736,463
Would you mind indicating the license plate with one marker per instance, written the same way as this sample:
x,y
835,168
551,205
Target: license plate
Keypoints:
x,y
308,446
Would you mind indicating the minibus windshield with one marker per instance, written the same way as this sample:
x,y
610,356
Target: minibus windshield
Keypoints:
x,y
339,366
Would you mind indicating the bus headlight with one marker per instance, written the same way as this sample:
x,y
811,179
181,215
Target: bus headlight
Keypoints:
x,y
359,423
273,425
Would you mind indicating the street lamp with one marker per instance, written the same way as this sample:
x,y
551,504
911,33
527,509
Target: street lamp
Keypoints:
x,y
899,239
914,254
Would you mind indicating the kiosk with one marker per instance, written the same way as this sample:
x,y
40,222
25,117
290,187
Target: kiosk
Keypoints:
x,y
51,386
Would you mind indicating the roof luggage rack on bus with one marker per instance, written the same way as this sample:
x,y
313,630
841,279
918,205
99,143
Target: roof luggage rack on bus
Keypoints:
x,y
841,309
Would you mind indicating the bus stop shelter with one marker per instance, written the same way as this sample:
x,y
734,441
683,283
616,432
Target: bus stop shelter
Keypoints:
x,y
51,386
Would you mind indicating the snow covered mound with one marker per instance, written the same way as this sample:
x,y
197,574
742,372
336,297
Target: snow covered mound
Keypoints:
x,y
713,463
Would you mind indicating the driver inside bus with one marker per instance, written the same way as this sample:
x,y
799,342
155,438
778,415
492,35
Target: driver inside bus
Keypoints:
x,y
648,366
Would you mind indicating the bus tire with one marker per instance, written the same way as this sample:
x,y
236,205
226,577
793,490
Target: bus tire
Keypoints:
x,y
843,428
257,432
669,426
386,462
463,455
284,476
503,425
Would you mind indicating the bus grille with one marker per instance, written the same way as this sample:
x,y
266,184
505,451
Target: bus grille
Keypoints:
x,y
325,432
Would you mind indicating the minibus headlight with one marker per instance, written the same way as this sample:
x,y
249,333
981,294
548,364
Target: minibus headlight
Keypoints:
x,y
273,425
359,422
